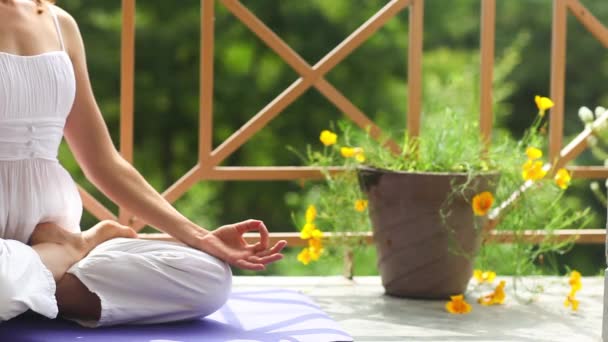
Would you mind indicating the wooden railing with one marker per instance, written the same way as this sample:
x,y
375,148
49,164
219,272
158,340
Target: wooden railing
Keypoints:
x,y
209,158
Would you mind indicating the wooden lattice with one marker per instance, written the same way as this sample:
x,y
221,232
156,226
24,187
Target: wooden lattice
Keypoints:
x,y
210,158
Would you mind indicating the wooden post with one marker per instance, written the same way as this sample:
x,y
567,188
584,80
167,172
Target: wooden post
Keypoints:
x,y
558,77
349,263
488,23
206,85
127,72
414,69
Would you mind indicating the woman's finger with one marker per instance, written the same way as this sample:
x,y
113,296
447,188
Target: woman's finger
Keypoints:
x,y
255,248
267,259
247,265
254,225
275,249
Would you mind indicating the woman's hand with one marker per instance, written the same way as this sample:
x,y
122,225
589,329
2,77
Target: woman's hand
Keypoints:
x,y
228,244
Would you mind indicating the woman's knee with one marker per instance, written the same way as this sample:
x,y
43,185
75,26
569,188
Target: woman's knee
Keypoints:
x,y
8,292
211,283
220,290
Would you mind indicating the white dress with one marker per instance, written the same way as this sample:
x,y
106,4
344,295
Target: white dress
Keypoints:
x,y
137,281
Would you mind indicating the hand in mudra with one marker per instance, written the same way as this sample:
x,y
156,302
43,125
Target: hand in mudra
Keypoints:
x,y
227,243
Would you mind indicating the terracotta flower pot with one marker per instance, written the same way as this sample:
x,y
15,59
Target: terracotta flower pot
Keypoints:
x,y
416,252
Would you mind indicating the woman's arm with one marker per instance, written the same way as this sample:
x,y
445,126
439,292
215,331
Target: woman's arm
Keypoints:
x,y
89,140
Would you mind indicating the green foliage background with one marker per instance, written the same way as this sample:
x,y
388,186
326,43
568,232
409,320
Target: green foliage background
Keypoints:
x,y
248,75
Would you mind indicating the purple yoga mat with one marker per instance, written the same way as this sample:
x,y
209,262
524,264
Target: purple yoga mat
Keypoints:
x,y
258,315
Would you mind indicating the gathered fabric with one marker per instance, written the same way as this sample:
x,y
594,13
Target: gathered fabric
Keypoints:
x,y
37,94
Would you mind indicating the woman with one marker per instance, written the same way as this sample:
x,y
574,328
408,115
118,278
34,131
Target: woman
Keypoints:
x,y
102,276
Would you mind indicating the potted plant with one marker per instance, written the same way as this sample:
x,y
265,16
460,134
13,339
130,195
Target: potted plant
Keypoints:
x,y
431,204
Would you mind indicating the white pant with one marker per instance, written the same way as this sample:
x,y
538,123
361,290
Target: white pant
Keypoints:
x,y
138,282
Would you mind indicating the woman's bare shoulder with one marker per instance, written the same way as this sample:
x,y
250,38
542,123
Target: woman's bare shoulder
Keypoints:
x,y
69,30
67,22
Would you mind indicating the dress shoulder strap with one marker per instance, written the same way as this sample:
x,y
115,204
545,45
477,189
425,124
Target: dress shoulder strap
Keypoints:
x,y
54,15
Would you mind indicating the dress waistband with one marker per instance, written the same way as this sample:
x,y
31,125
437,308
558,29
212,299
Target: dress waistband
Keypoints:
x,y
37,138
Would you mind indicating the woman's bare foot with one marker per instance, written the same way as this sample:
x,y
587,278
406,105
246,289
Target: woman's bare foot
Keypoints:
x,y
59,249
78,245
104,231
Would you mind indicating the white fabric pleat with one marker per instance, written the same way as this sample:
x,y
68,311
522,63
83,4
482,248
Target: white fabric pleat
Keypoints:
x,y
36,86
24,282
36,96
34,191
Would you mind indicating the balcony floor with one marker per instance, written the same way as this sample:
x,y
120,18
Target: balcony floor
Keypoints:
x,y
360,308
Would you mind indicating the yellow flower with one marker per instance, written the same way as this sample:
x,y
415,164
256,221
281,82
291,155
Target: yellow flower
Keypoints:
x,y
316,244
496,297
575,282
304,256
543,103
311,213
328,138
347,152
317,234
482,203
310,231
562,178
315,248
360,205
533,170
314,236
315,254
484,277
571,302
306,232
533,153
457,305
360,157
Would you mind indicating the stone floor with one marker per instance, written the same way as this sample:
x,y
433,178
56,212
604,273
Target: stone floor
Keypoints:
x,y
360,308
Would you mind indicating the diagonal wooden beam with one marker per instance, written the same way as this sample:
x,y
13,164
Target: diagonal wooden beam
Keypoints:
x,y
292,58
174,192
360,35
568,153
302,84
260,120
579,143
94,206
183,184
591,23
354,113
574,148
298,63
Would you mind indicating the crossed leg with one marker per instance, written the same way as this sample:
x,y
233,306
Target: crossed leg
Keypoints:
x,y
107,280
139,281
